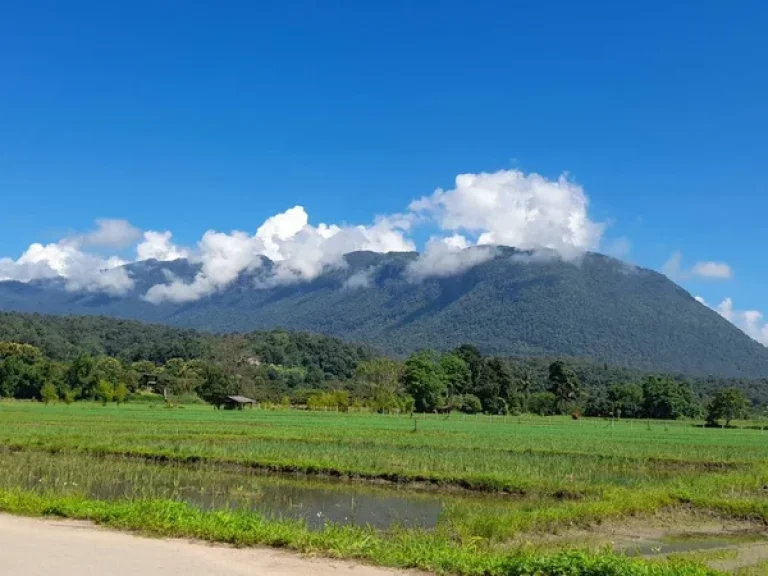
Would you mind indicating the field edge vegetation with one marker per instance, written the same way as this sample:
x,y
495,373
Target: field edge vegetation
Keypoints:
x,y
399,548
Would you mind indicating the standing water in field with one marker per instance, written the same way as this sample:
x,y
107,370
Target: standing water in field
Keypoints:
x,y
313,501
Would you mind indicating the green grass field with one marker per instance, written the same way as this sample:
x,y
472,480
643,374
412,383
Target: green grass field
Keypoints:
x,y
507,483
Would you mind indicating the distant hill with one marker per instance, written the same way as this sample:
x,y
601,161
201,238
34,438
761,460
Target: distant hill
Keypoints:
x,y
62,338
599,308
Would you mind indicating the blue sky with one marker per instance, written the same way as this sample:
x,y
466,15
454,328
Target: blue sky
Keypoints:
x,y
190,116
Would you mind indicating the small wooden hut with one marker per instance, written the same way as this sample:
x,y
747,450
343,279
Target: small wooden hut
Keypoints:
x,y
237,402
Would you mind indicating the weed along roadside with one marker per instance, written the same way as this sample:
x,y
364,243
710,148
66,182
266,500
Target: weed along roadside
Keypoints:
x,y
430,551
458,496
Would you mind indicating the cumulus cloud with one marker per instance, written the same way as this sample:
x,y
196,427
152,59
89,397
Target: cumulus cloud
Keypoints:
x,y
527,211
673,269
69,260
447,257
514,209
64,259
752,322
109,233
158,246
299,251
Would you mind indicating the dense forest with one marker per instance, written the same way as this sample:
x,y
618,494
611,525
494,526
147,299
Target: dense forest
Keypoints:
x,y
510,305
62,338
91,358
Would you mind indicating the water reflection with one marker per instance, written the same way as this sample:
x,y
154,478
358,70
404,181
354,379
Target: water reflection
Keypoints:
x,y
314,501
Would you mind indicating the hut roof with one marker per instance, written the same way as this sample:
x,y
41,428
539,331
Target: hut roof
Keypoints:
x,y
241,400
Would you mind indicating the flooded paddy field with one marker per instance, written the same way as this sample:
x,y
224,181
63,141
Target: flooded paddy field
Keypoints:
x,y
463,496
311,500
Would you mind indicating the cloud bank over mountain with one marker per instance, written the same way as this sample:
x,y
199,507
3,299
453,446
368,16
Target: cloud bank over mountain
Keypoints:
x,y
549,217
509,207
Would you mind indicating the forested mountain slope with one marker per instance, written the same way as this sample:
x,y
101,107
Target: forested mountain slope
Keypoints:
x,y
63,338
513,304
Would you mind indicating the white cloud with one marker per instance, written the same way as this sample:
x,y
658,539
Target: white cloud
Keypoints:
x,y
158,246
529,212
673,269
536,256
514,209
299,250
64,259
715,270
361,279
110,233
68,260
749,321
447,257
455,242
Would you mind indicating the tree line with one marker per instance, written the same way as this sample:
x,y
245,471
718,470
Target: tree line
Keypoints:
x,y
305,361
318,373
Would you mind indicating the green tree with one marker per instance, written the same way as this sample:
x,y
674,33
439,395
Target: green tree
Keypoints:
x,y
626,398
175,368
470,404
48,393
380,381
407,403
564,385
456,372
143,369
179,376
597,404
81,376
22,376
494,386
542,403
728,404
24,352
523,385
473,359
11,374
121,392
215,385
109,369
667,399
424,380
131,379
105,392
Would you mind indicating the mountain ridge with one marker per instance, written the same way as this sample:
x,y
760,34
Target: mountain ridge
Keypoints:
x,y
511,304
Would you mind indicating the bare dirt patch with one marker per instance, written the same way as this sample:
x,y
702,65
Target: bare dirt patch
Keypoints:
x,y
76,548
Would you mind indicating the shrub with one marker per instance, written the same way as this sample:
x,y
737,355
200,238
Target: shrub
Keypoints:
x,y
470,404
48,393
542,403
105,392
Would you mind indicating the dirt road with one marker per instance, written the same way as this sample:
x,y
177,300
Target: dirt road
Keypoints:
x,y
34,547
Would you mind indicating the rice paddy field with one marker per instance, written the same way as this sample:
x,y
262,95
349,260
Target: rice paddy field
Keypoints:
x,y
453,495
